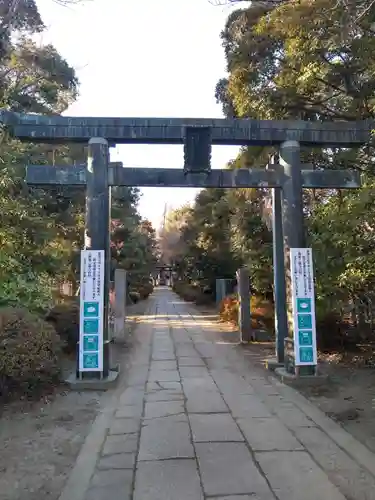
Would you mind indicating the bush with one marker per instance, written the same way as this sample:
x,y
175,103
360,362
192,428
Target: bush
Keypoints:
x,y
262,311
229,309
65,319
187,291
134,296
145,290
30,291
30,352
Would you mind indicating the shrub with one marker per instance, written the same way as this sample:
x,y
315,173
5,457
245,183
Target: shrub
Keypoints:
x,y
134,296
262,311
187,291
31,291
145,290
65,319
30,352
229,309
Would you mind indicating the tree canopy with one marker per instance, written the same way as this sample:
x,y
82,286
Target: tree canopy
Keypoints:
x,y
294,59
41,230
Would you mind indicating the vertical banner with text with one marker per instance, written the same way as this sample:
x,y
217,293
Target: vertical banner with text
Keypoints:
x,y
303,301
91,311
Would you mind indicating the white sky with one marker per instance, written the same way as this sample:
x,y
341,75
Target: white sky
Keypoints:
x,y
149,58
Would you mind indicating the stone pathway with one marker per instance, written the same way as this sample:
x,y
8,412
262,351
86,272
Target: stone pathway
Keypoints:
x,y
196,421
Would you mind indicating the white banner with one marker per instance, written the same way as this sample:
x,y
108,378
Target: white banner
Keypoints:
x,y
303,301
91,311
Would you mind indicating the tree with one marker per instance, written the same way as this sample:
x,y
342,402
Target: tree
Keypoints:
x,y
312,60
295,59
41,231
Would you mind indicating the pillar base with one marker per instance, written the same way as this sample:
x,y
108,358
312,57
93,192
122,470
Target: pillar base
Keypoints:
x,y
93,384
300,380
271,364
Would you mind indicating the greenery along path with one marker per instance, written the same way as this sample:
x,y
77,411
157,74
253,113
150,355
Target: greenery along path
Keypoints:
x,y
41,231
195,421
301,59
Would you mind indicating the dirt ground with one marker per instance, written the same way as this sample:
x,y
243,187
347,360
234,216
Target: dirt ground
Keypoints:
x,y
348,397
40,441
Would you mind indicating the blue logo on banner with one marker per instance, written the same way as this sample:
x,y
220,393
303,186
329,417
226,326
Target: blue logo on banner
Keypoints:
x,y
305,337
90,326
306,354
304,320
304,305
91,343
91,361
91,309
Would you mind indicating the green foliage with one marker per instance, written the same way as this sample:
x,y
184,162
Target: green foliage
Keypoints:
x,y
262,311
145,290
29,352
134,296
312,60
293,59
133,240
65,319
41,230
192,292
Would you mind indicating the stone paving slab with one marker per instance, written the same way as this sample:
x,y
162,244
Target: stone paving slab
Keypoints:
x,y
248,406
108,493
194,384
229,469
268,434
293,417
163,356
191,361
159,385
132,411
119,478
163,409
126,443
163,365
266,496
167,395
230,383
225,431
164,376
193,372
168,480
117,461
166,438
295,476
353,480
125,426
205,402
214,428
131,396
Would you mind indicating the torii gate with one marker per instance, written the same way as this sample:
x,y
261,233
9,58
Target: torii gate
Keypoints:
x,y
197,136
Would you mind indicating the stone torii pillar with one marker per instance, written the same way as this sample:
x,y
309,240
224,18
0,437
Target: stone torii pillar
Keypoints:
x,y
288,223
95,177
293,224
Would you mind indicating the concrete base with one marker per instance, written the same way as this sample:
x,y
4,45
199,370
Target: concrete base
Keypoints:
x,y
271,364
103,384
302,380
262,336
